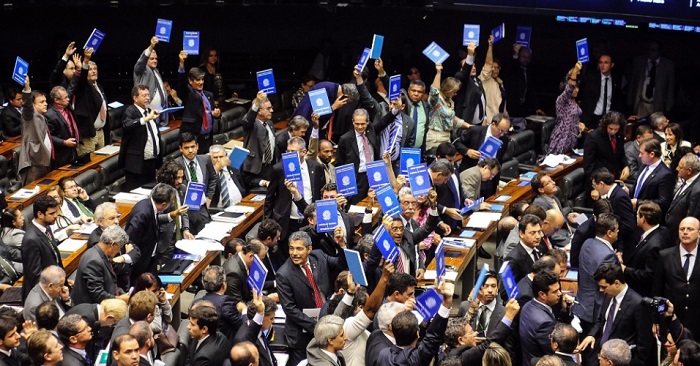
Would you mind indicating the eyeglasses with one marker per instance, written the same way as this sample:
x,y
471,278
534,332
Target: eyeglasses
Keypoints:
x,y
409,203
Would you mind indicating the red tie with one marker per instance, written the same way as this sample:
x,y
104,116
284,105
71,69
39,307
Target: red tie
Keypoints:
x,y
365,148
71,124
546,242
330,128
317,294
613,142
205,109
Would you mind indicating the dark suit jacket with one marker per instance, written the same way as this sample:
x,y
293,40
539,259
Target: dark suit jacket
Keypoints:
x,y
72,358
522,96
658,186
589,94
380,111
664,91
599,153
473,355
347,146
95,280
295,294
632,323
37,296
424,351
451,195
670,282
278,202
142,228
209,176
376,342
122,270
686,204
133,143
193,114
37,253
15,359
520,261
326,242
256,138
568,360
59,133
473,138
536,324
88,102
229,317
250,332
469,96
626,216
236,280
583,232
641,261
281,140
593,253
11,121
213,351
235,175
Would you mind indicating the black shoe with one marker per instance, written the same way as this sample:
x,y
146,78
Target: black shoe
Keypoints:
x,y
484,254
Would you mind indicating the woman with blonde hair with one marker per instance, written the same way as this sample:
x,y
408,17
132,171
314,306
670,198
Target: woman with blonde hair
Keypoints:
x,y
442,119
495,355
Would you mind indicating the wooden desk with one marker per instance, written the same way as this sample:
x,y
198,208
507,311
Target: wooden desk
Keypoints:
x,y
7,147
95,161
172,125
561,170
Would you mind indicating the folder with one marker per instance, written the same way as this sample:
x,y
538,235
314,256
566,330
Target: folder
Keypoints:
x,y
394,87
471,34
522,36
435,53
163,29
386,245
420,181
410,156
582,50
388,200
346,180
363,59
194,195
377,174
190,42
377,44
95,40
499,32
326,215
319,102
428,304
352,257
257,274
266,81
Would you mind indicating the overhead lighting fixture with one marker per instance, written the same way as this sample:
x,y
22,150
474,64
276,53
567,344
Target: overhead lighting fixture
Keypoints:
x,y
7,5
113,3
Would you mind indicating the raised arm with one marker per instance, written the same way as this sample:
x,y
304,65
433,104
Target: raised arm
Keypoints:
x,y
488,65
140,66
438,76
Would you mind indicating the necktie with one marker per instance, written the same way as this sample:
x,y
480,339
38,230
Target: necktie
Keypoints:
x,y
49,235
609,321
640,182
317,294
415,120
193,172
393,130
399,263
159,86
546,242
536,254
53,152
365,148
225,198
150,133
649,93
686,264
206,110
103,108
483,319
613,143
82,208
330,128
605,96
71,124
455,192
267,154
680,189
409,226
178,232
341,359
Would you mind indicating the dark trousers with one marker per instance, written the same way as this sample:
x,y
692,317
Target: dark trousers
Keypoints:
x,y
204,141
296,356
136,180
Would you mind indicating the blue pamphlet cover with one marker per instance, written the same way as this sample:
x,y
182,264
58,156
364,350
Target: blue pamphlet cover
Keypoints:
x,y
319,102
473,207
194,195
345,178
420,181
257,274
490,147
377,174
440,269
172,109
191,257
480,280
435,53
499,32
471,34
95,40
364,58
388,200
291,166
524,183
495,207
582,50
503,198
467,233
190,42
163,29
428,304
377,44
385,244
509,283
171,278
266,81
237,157
522,36
394,87
410,156
326,215
21,68
528,176
352,257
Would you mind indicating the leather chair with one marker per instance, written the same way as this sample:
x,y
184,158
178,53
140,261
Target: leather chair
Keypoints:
x,y
574,190
220,139
510,170
112,176
171,143
91,182
4,173
522,148
28,213
547,129
115,122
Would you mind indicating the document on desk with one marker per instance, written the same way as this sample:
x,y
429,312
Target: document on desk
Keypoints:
x,y
215,231
355,209
142,191
107,150
240,209
87,228
430,274
25,193
553,161
459,243
71,245
199,247
481,220
124,197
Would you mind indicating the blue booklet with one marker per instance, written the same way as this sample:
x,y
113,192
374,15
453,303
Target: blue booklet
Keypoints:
x,y
467,233
522,36
363,59
237,157
490,147
326,215
524,183
385,243
163,29
172,109
435,53
377,174
190,42
345,178
428,304
388,200
410,156
186,256
420,181
319,102
195,195
291,166
95,40
377,44
495,207
480,280
509,283
266,81
473,207
257,274
582,50
352,257
166,279
21,68
471,34
440,268
394,87
499,32
503,198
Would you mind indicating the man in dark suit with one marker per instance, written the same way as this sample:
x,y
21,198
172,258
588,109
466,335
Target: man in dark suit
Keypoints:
x,y
489,308
600,92
146,73
604,184
470,141
198,169
419,110
564,340
655,181
686,200
260,141
642,133
9,353
200,111
269,233
140,151
11,116
522,96
101,318
214,283
297,127
143,333
638,264
75,334
125,350
230,186
623,316
677,276
142,306
39,247
652,83
285,202
96,280
586,230
470,102
546,188
382,337
261,314
605,147
51,287
36,149
236,268
90,108
537,321
303,283
207,347
523,255
451,197
64,130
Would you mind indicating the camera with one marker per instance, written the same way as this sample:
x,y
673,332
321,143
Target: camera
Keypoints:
x,y
658,303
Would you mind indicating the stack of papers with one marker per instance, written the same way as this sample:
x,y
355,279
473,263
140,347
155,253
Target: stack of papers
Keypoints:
x,y
214,231
124,197
430,274
25,193
234,218
142,191
553,161
87,228
107,150
239,209
355,209
198,247
481,220
71,245
460,243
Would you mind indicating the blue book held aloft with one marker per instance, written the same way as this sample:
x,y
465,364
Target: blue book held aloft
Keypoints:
x,y
291,166
326,215
377,174
266,81
582,50
509,283
394,87
21,69
499,32
420,181
435,53
428,304
490,147
237,157
363,59
522,36
257,274
95,40
352,257
440,268
377,44
345,179
386,245
319,102
388,200
190,42
480,281
163,29
471,34
410,156
194,195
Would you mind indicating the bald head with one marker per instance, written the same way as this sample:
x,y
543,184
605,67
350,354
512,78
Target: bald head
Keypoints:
x,y
553,222
688,232
244,354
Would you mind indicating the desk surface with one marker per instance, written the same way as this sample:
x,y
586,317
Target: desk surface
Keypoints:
x,y
7,146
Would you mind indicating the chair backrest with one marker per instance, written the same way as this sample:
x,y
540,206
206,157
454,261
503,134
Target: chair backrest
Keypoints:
x,y
547,129
4,167
572,186
115,122
111,174
28,214
171,141
91,181
220,139
522,147
509,170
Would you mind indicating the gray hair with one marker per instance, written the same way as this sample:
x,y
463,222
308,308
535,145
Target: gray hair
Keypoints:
x,y
55,92
617,351
100,210
360,112
297,123
327,327
387,312
656,118
114,235
51,276
299,141
213,278
405,191
350,89
216,148
442,166
549,360
141,330
301,235
692,161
